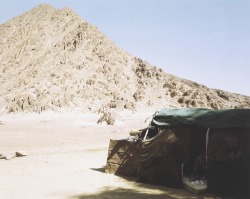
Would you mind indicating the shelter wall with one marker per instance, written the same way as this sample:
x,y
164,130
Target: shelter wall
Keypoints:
x,y
161,157
123,157
229,162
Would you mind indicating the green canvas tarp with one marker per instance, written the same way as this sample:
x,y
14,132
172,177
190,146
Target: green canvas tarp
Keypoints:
x,y
198,117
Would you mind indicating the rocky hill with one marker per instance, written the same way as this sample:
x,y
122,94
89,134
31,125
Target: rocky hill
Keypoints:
x,y
53,59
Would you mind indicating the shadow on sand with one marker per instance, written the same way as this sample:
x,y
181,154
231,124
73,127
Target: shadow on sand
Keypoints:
x,y
141,191
102,169
121,193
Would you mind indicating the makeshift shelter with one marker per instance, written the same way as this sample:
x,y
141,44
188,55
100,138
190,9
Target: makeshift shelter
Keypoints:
x,y
177,138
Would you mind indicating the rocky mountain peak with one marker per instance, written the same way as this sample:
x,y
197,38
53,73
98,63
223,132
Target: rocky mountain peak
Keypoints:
x,y
53,59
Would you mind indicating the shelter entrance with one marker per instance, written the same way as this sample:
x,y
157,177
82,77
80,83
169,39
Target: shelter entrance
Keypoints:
x,y
195,157
195,161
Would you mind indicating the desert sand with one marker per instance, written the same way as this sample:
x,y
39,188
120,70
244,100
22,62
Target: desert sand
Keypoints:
x,y
66,156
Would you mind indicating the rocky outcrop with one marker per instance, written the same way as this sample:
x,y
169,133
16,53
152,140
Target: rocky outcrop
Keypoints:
x,y
53,59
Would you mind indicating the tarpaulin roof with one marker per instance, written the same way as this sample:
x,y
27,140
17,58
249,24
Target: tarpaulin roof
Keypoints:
x,y
199,117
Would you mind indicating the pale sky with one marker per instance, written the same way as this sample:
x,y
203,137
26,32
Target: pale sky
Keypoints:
x,y
207,41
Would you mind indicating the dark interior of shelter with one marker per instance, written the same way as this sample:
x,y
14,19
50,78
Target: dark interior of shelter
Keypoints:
x,y
195,155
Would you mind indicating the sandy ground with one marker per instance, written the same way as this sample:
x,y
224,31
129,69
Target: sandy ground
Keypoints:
x,y
66,156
